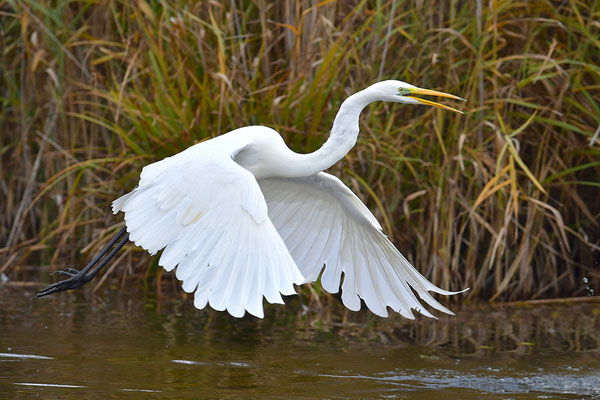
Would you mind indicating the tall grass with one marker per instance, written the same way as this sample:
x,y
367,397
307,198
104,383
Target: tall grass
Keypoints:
x,y
505,199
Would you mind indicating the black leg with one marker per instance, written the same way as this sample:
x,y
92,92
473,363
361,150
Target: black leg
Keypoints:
x,y
80,278
109,257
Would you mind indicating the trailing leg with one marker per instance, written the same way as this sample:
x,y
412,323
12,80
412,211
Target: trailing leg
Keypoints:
x,y
79,278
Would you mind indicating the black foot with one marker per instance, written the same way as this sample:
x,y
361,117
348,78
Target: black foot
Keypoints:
x,y
70,272
72,283
78,278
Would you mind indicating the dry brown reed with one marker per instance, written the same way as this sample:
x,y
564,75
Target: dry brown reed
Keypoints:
x,y
504,200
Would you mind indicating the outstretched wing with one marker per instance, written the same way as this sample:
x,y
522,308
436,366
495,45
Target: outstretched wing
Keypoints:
x,y
322,222
210,216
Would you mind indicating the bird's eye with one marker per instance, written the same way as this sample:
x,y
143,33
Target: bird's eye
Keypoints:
x,y
402,91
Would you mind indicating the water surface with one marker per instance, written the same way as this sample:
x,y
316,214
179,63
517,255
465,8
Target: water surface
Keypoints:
x,y
112,346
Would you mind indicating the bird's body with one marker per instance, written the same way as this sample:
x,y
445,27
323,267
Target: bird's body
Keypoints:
x,y
241,216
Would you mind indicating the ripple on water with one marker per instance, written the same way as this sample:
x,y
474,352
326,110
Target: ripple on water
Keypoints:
x,y
53,385
25,356
211,364
545,382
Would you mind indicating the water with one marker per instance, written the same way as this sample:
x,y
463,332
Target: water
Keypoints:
x,y
79,346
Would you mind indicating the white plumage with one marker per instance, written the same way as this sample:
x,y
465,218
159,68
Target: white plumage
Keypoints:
x,y
243,217
322,222
210,216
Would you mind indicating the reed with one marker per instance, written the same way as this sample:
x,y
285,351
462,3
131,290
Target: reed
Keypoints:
x,y
504,199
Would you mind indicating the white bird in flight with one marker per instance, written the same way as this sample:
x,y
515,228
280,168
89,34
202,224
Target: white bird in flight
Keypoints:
x,y
242,216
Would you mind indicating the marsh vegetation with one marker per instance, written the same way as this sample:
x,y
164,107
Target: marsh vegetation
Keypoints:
x,y
503,200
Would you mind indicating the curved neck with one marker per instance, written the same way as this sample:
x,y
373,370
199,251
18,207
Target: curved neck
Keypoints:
x,y
341,139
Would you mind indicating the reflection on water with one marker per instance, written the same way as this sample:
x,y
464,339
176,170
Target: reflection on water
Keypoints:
x,y
73,346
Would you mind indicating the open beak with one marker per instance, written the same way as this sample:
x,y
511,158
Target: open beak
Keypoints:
x,y
428,92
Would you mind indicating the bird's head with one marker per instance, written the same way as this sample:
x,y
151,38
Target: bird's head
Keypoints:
x,y
402,92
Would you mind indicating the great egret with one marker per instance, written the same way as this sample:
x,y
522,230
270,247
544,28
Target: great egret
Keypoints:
x,y
242,216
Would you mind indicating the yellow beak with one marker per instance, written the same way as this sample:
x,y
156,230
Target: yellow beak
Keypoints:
x,y
428,92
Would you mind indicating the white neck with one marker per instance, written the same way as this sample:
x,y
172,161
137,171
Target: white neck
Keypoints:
x,y
341,139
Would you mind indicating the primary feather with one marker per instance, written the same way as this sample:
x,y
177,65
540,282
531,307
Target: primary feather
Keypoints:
x,y
322,222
